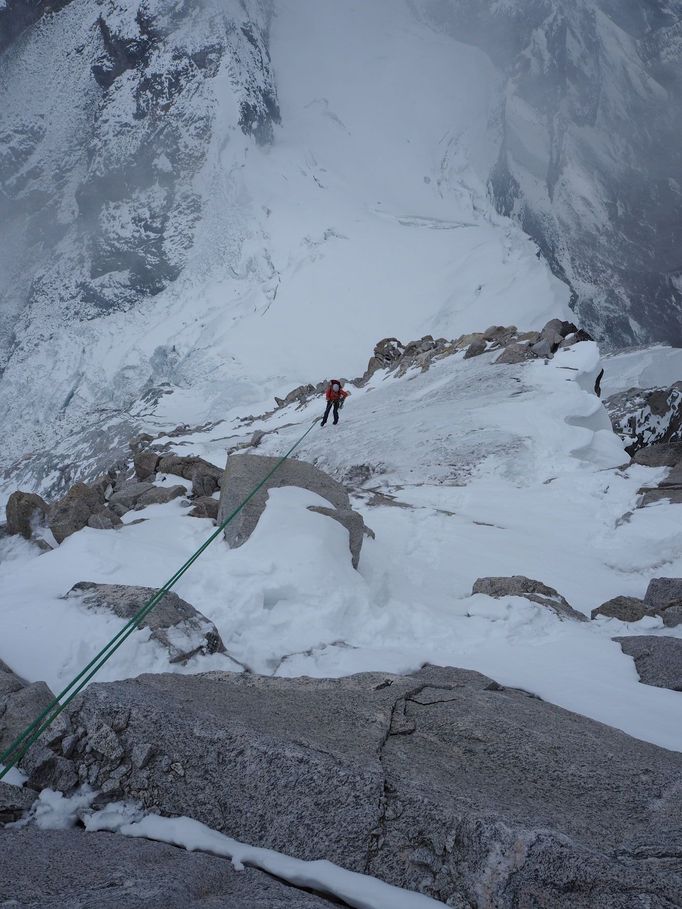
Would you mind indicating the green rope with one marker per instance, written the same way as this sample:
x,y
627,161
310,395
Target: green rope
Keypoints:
x,y
16,751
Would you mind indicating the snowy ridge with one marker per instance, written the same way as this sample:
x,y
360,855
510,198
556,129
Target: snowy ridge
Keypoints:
x,y
189,254
467,470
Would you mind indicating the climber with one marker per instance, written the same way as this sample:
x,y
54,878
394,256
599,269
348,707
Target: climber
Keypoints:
x,y
335,396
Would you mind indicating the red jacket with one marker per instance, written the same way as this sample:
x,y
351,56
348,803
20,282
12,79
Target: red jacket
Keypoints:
x,y
339,395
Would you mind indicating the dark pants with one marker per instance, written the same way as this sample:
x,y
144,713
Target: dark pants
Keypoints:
x,y
335,405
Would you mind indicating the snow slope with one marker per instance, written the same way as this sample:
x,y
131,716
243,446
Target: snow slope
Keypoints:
x,y
493,470
366,217
648,367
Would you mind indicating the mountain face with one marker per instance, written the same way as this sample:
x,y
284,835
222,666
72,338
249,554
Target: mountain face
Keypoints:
x,y
211,200
589,153
106,119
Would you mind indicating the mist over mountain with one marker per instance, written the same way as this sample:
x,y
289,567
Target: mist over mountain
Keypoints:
x,y
242,166
589,153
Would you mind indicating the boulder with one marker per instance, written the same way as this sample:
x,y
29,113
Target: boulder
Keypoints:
x,y
658,659
20,703
159,495
575,337
135,496
475,349
244,471
354,524
500,335
72,513
146,462
204,507
442,781
203,482
529,337
543,348
25,511
516,353
185,466
14,801
104,520
672,614
70,869
535,591
662,593
557,329
626,609
650,496
467,340
44,768
141,441
174,623
125,498
662,454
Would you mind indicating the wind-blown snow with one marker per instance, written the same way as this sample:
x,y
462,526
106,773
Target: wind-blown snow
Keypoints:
x,y
494,470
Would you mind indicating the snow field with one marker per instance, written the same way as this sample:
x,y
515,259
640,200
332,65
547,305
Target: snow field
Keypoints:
x,y
494,470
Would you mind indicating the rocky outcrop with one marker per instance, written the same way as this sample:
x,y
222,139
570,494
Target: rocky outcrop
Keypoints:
x,y
570,168
664,597
146,463
625,609
135,496
20,703
180,628
14,801
25,511
47,869
535,591
441,781
72,513
244,471
301,394
394,356
644,417
658,659
102,504
662,454
205,507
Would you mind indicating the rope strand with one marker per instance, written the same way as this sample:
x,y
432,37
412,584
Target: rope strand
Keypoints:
x,y
16,751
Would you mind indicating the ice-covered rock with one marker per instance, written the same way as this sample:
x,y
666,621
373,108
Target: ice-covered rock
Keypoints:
x,y
644,417
181,629
535,591
242,474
